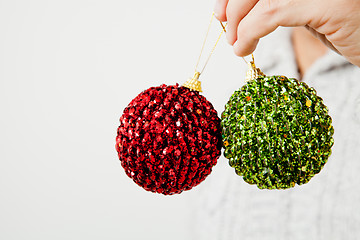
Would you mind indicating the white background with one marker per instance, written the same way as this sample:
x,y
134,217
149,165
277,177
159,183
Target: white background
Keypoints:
x,y
67,70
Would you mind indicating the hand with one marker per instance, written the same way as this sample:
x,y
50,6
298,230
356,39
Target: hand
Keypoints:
x,y
335,22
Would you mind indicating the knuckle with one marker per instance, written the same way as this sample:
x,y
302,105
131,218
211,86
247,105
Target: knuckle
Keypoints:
x,y
271,7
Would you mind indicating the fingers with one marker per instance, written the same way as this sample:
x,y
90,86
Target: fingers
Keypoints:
x,y
236,10
334,22
265,17
220,9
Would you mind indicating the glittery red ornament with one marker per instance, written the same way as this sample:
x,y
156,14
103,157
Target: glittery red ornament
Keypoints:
x,y
169,138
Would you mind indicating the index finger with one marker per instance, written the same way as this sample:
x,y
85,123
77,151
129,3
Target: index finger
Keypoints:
x,y
236,10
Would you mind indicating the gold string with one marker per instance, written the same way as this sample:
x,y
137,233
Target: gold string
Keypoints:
x,y
203,45
212,50
222,25
193,83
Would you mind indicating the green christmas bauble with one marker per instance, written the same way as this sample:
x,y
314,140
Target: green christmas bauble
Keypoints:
x,y
276,132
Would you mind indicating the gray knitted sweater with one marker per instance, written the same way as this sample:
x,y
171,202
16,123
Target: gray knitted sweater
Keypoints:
x,y
326,208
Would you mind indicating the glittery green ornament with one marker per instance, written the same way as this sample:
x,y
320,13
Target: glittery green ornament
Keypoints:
x,y
276,131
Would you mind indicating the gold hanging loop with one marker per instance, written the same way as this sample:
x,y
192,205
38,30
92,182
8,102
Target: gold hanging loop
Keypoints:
x,y
194,83
253,72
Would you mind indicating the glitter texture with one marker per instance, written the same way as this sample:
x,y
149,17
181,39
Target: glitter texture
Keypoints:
x,y
169,138
276,132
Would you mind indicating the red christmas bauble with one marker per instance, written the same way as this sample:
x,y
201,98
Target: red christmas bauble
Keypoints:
x,y
169,138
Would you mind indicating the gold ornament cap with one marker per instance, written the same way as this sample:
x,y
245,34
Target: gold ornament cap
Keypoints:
x,y
194,83
253,72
